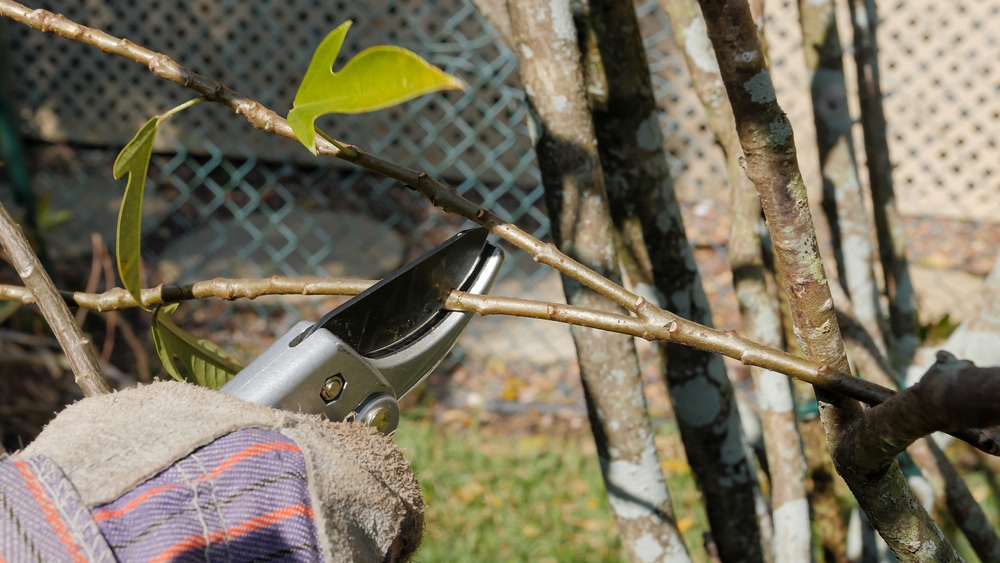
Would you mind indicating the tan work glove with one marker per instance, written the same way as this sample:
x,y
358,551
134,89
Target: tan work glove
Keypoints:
x,y
172,471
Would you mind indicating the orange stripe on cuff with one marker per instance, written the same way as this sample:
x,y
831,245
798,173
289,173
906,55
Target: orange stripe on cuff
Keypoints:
x,y
243,528
50,511
250,451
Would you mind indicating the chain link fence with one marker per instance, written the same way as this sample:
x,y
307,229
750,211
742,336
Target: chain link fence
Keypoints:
x,y
225,200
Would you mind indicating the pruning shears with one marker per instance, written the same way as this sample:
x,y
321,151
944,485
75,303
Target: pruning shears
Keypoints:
x,y
357,361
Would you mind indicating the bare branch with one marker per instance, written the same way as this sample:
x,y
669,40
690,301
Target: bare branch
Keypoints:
x,y
75,344
952,395
228,289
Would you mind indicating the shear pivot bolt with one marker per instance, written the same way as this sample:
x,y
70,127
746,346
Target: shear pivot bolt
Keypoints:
x,y
332,388
380,412
380,419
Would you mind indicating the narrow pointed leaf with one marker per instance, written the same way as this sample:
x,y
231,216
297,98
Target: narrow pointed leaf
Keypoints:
x,y
377,78
187,357
134,161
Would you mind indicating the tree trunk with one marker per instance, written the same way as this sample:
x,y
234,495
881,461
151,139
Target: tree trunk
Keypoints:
x,y
647,214
760,318
771,163
843,201
545,40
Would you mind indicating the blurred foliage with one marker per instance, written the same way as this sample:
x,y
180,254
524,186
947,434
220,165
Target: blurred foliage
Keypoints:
x,y
936,332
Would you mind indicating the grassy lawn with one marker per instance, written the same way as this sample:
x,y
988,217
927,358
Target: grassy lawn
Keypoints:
x,y
494,496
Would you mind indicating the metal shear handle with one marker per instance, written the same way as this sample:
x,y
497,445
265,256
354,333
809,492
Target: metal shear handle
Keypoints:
x,y
310,370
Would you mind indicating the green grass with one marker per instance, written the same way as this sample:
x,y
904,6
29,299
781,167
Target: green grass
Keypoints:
x,y
496,497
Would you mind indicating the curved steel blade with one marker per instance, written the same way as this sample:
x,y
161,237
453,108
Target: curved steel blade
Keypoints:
x,y
402,303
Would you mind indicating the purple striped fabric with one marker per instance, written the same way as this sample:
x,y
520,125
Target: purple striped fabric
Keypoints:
x,y
42,518
244,497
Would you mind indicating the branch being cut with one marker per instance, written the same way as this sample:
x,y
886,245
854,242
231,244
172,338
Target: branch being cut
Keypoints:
x,y
228,289
667,327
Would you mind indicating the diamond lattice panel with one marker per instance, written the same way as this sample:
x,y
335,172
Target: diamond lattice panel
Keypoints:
x,y
261,49
941,74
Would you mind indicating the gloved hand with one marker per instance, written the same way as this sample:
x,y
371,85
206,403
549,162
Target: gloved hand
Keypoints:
x,y
175,472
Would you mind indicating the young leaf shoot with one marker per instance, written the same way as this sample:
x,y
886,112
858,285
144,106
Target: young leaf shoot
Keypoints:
x,y
377,78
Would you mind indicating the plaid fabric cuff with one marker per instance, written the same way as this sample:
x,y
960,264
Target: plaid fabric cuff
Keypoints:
x,y
42,517
243,497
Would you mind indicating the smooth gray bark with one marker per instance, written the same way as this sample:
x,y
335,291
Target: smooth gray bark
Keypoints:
x,y
761,320
545,41
647,215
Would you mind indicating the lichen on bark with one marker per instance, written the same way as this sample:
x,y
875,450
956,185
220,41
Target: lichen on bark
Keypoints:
x,y
774,170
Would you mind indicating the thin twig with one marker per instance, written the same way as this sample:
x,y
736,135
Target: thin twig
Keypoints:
x,y
107,265
265,119
665,326
94,278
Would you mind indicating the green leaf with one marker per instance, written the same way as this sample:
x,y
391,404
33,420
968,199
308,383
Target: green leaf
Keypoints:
x,y
187,357
377,78
133,160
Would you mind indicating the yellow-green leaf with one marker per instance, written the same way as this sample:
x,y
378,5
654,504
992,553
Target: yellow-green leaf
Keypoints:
x,y
377,78
133,160
187,357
